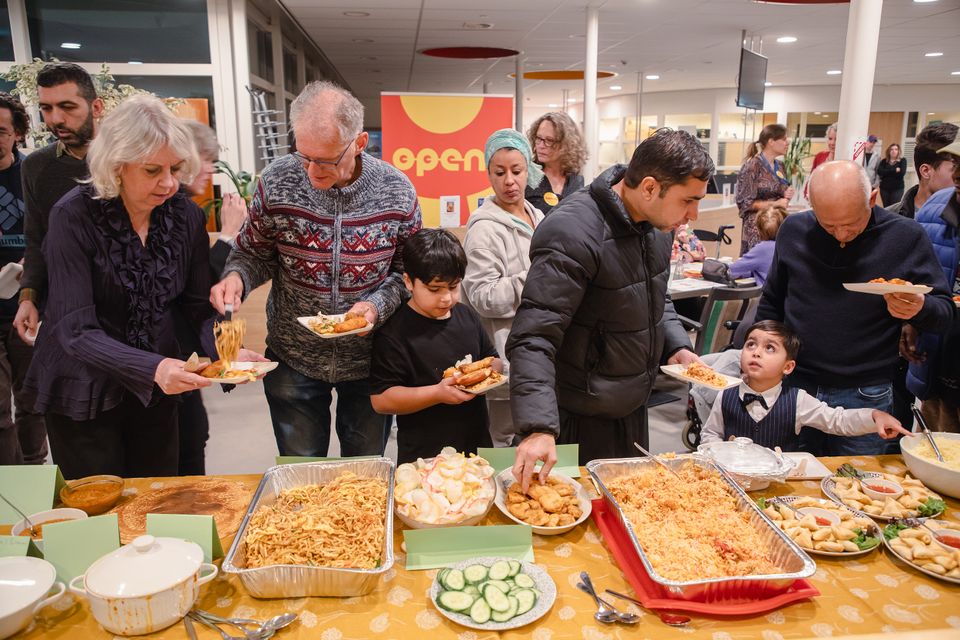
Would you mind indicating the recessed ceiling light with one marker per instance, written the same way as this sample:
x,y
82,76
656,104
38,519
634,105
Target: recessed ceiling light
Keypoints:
x,y
615,87
834,72
553,105
824,116
924,1
134,62
571,99
652,76
934,54
576,36
955,73
816,113
768,84
786,39
930,113
362,40
69,45
356,14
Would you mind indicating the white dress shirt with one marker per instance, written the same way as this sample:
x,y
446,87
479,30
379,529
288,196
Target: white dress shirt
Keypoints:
x,y
810,413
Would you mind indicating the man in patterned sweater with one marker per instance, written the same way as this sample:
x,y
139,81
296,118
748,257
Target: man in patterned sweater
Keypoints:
x,y
327,224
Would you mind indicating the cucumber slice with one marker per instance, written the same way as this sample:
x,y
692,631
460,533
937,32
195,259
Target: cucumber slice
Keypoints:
x,y
499,584
526,599
525,581
480,611
472,590
453,580
475,573
509,614
514,567
442,573
455,600
497,599
500,570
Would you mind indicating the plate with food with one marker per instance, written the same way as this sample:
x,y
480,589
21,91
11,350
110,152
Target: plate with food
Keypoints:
x,y
336,325
882,286
237,372
493,593
933,549
476,377
550,509
956,300
823,527
882,496
450,490
807,466
699,373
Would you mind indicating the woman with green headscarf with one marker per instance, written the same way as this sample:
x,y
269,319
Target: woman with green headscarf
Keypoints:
x,y
498,247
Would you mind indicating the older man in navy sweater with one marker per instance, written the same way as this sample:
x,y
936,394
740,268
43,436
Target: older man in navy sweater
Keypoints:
x,y
850,340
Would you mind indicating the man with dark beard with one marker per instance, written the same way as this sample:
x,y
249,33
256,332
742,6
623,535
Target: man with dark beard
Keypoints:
x,y
70,109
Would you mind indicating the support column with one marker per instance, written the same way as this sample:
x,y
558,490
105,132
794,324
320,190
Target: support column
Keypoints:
x,y
518,96
590,122
859,65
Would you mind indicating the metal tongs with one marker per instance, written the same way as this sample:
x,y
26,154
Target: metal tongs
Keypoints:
x,y
657,460
926,432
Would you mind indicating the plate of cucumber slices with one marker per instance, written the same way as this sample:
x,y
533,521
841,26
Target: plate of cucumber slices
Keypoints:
x,y
493,593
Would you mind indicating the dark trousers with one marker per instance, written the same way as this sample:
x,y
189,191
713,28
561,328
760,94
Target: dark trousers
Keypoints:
x,y
891,197
23,435
130,440
605,437
194,431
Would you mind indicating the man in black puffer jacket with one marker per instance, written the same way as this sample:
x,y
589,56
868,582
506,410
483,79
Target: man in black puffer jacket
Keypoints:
x,y
595,321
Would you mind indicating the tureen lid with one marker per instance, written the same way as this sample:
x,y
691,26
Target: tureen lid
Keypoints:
x,y
742,455
146,566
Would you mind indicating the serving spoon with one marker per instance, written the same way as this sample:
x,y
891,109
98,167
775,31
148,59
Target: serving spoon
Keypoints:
x,y
657,460
672,619
926,432
30,526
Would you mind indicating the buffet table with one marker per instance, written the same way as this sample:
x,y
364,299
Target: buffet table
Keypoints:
x,y
869,595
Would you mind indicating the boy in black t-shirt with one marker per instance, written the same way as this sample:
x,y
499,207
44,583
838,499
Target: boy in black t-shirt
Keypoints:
x,y
422,339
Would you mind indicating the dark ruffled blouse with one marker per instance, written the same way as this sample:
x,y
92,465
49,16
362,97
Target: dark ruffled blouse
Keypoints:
x,y
109,315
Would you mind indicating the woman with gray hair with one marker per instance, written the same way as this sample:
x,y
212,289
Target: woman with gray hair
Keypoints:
x,y
557,146
121,251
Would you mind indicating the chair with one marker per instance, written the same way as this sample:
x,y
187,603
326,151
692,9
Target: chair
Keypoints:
x,y
720,237
723,312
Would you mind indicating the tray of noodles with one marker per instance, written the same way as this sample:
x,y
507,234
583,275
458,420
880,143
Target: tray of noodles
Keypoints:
x,y
317,529
698,536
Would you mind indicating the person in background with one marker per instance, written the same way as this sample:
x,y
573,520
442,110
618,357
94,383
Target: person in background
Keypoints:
x,y
850,339
23,437
687,245
756,262
762,181
71,111
122,251
557,146
892,170
497,245
829,154
871,160
934,171
194,427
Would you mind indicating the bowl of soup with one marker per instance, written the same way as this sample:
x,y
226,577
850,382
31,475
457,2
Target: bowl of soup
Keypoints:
x,y
942,477
93,495
43,518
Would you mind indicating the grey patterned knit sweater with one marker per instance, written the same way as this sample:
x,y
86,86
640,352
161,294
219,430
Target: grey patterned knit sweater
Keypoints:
x,y
325,250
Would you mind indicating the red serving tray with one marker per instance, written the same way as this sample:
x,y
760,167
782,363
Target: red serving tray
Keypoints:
x,y
654,596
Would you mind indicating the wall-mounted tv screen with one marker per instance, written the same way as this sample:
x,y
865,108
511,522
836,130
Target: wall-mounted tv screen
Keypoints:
x,y
750,83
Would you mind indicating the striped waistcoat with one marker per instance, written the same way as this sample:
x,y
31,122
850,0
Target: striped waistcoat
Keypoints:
x,y
777,429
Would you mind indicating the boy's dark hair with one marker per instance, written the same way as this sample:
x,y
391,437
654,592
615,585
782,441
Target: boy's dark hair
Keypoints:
x,y
929,141
21,121
434,254
669,157
791,342
57,73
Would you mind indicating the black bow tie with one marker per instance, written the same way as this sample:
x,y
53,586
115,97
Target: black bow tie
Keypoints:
x,y
754,397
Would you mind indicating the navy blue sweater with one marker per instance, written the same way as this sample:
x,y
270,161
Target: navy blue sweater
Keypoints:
x,y
850,339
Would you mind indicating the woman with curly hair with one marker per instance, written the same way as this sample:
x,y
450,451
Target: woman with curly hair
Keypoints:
x,y
559,148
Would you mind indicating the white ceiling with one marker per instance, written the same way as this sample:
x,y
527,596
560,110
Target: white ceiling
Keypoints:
x,y
690,44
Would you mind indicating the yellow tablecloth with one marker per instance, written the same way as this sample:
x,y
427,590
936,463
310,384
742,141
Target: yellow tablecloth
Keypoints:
x,y
870,594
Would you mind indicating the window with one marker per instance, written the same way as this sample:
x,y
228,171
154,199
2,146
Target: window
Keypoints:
x,y
175,87
291,74
938,117
912,119
260,42
173,31
648,124
6,38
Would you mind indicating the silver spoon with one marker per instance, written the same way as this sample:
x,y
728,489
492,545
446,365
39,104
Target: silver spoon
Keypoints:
x,y
605,609
605,613
657,460
30,526
207,623
277,622
672,619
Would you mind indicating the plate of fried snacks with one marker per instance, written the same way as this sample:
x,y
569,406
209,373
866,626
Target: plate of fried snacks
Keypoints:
x,y
934,550
446,491
823,527
476,377
552,508
882,286
236,372
956,300
699,373
882,496
336,325
493,593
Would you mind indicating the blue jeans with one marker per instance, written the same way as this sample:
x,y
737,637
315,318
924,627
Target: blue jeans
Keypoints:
x,y
300,411
878,396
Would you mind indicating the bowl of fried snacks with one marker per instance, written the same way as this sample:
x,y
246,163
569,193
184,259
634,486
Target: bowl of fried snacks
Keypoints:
x,y
476,377
550,508
336,325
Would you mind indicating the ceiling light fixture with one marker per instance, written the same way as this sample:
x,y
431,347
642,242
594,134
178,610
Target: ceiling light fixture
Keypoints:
x,y
615,87
571,99
553,105
955,73
786,39
924,1
834,72
69,45
934,54
576,36
134,62
768,84
356,14
652,76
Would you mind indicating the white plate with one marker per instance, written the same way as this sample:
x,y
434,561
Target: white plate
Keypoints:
x,y
261,368
337,317
881,288
10,279
808,467
932,574
505,480
677,371
542,583
830,504
827,486
503,380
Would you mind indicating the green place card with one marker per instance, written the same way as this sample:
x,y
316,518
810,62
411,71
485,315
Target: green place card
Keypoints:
x,y
199,529
72,546
568,458
18,546
298,459
434,548
32,487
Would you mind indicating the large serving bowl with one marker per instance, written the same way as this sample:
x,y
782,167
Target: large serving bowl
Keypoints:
x,y
25,583
936,475
50,516
429,478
